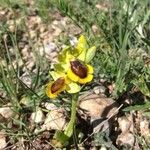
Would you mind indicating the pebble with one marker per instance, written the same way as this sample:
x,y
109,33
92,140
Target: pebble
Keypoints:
x,y
3,142
55,120
6,112
37,116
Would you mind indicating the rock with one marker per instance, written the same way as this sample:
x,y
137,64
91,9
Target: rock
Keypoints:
x,y
11,25
125,139
73,41
55,120
30,64
25,78
103,6
50,50
6,112
3,142
33,34
50,106
103,148
125,124
96,106
145,128
99,90
94,28
37,116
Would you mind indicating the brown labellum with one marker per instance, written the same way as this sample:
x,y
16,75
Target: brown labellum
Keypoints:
x,y
78,68
57,85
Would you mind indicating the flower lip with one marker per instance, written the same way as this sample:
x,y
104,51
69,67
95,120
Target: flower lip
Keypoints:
x,y
57,85
79,68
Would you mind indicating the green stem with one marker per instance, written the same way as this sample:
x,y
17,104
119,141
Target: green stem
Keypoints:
x,y
63,137
69,129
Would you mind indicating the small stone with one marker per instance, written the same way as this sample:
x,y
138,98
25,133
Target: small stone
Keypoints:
x,y
57,31
126,139
125,124
32,34
6,112
73,41
145,128
37,116
103,6
94,28
99,90
103,148
11,25
3,142
55,120
50,106
42,29
30,64
49,48
26,79
95,106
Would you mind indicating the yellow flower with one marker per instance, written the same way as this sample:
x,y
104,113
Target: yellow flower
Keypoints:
x,y
79,72
61,83
71,69
55,87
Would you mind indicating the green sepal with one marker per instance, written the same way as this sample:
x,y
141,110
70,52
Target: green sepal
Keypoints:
x,y
73,88
58,67
90,54
82,55
63,54
82,44
55,75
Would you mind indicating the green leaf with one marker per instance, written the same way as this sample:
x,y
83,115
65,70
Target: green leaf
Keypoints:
x,y
138,107
90,54
61,137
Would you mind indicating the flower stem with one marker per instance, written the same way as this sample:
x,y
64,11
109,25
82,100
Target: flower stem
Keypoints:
x,y
63,137
69,129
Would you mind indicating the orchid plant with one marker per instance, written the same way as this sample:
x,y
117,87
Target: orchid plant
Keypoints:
x,y
70,73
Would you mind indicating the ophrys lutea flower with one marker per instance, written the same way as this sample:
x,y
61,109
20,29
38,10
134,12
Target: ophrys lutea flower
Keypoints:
x,y
80,72
61,83
55,87
69,74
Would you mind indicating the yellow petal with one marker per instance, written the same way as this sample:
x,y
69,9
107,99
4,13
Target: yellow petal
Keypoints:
x,y
86,80
48,91
72,76
73,88
90,69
